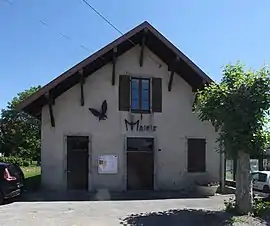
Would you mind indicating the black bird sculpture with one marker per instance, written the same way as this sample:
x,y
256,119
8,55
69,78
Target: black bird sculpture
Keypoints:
x,y
101,115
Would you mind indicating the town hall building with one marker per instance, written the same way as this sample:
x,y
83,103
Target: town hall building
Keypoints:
x,y
123,119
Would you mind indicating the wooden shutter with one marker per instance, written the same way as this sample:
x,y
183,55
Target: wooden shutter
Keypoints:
x,y
196,155
156,94
124,93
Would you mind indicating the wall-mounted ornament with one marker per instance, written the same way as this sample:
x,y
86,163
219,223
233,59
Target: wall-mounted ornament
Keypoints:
x,y
101,115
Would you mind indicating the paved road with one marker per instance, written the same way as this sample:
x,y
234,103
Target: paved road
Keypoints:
x,y
100,213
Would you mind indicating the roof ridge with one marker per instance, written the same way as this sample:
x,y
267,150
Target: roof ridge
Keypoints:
x,y
105,52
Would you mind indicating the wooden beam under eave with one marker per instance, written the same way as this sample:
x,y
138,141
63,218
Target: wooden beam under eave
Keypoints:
x,y
171,81
50,102
82,81
176,61
142,48
197,87
113,65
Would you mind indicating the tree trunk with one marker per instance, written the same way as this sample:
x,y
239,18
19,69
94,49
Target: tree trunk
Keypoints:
x,y
243,193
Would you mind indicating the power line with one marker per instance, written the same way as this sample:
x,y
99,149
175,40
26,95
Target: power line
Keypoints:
x,y
11,3
59,33
114,27
62,34
103,17
42,22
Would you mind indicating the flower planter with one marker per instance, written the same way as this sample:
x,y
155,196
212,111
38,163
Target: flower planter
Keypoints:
x,y
206,190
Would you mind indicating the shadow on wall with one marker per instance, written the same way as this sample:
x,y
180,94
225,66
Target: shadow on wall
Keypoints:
x,y
185,217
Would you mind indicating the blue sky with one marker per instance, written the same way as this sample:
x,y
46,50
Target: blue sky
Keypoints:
x,y
212,33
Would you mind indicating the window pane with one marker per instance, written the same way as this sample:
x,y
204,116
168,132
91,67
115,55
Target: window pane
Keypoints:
x,y
255,176
262,177
145,94
135,94
140,144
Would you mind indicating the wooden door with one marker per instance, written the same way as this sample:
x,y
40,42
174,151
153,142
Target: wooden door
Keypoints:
x,y
140,164
77,162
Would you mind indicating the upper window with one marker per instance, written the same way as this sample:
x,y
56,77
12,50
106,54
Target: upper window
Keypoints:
x,y
140,95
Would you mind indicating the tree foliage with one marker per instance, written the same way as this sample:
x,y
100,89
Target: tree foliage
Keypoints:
x,y
19,132
238,107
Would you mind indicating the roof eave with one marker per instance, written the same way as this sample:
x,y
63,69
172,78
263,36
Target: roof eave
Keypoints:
x,y
26,104
22,105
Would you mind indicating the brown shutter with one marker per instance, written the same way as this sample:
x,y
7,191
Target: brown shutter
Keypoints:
x,y
124,93
156,95
196,155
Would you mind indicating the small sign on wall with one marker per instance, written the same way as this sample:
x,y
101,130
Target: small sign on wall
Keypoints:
x,y
107,164
137,126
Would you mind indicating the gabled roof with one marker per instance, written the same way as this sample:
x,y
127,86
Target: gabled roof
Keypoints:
x,y
155,41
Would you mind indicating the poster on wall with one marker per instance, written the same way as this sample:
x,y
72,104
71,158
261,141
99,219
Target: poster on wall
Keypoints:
x,y
107,164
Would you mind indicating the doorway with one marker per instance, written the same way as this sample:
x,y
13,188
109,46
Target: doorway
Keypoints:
x,y
77,162
140,163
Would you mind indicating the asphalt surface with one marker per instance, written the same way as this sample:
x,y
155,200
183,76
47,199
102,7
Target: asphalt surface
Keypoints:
x,y
97,213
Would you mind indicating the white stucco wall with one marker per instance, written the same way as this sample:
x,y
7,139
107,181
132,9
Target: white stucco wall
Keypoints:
x,y
175,124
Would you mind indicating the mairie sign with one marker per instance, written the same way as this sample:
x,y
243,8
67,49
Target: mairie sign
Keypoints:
x,y
136,126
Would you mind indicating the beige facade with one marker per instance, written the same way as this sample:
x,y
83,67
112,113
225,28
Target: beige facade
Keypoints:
x,y
174,125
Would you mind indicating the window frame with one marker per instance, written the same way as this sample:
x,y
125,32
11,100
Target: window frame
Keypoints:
x,y
140,110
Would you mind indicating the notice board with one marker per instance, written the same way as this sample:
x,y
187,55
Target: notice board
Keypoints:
x,y
108,164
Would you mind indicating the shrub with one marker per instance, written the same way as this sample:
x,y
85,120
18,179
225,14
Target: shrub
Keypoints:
x,y
16,160
26,163
259,208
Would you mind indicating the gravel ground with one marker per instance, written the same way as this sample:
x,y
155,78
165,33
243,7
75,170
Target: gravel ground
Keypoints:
x,y
245,221
170,212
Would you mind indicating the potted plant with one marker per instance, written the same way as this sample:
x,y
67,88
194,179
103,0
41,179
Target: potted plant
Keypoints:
x,y
207,188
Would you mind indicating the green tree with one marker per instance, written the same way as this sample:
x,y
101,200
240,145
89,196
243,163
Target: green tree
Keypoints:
x,y
238,108
19,132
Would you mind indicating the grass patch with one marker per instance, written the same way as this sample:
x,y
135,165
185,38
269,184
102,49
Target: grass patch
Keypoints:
x,y
32,177
31,171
